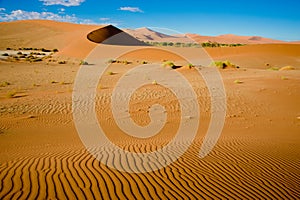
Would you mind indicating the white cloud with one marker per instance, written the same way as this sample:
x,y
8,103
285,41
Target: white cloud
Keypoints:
x,y
2,9
23,15
104,19
131,9
61,11
62,2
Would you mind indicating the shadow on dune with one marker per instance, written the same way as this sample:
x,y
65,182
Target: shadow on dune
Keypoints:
x,y
111,35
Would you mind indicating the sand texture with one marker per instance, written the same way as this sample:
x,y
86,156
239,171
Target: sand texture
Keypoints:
x,y
43,157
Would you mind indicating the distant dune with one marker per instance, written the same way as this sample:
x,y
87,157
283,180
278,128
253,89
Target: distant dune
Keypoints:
x,y
234,39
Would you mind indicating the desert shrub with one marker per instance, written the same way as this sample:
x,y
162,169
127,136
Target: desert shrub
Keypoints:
x,y
168,64
62,62
238,81
11,94
191,66
19,53
8,48
5,54
111,61
55,50
4,84
144,62
287,68
224,64
110,73
45,50
84,62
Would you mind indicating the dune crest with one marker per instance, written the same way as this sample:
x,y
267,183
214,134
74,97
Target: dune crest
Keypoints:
x,y
113,36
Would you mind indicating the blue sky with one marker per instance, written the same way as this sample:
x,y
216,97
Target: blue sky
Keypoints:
x,y
276,19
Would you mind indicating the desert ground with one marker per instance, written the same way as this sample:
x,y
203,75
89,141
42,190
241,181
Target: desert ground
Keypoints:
x,y
43,157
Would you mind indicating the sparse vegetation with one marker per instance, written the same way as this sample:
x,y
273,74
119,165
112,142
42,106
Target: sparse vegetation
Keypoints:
x,y
4,84
5,54
191,66
111,61
11,94
84,62
284,78
287,68
168,64
110,73
62,62
224,64
195,45
154,82
144,62
238,81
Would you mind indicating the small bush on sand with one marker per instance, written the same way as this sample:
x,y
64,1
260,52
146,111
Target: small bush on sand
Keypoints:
x,y
110,73
4,84
111,61
62,62
168,64
84,62
191,66
5,54
11,94
238,82
55,50
287,68
224,64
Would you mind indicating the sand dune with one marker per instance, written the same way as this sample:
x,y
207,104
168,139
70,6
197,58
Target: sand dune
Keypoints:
x,y
43,157
234,39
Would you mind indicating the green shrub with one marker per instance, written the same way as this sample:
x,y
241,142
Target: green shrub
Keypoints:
x,y
224,64
168,64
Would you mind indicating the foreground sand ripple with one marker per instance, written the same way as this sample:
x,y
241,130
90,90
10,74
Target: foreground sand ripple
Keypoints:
x,y
227,173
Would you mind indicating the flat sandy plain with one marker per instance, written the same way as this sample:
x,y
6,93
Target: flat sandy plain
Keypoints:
x,y
42,156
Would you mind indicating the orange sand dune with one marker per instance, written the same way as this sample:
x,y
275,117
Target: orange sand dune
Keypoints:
x,y
234,39
260,56
43,157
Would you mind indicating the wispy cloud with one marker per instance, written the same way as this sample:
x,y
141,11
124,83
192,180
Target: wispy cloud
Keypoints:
x,y
2,9
104,19
25,15
62,2
131,9
61,11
